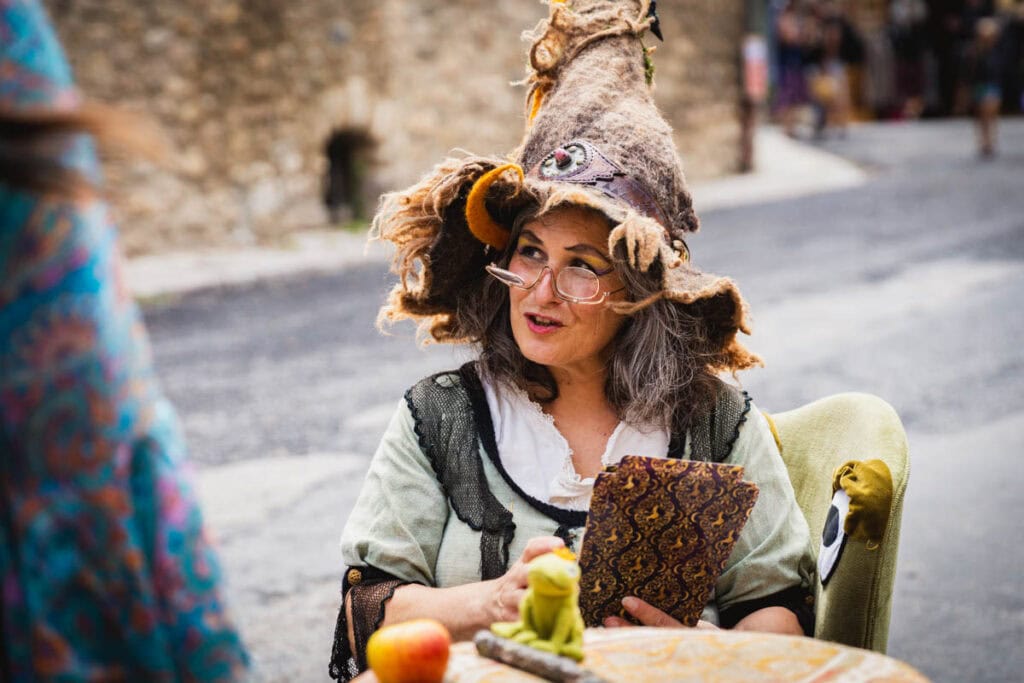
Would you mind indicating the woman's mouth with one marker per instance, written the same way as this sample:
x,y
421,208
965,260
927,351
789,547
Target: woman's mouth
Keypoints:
x,y
541,324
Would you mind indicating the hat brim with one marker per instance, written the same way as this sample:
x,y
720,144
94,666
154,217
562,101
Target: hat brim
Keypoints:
x,y
441,263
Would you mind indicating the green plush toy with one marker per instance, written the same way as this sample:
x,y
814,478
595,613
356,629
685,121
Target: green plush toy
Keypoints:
x,y
549,614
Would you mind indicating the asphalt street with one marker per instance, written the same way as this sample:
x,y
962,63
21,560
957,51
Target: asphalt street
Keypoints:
x,y
907,287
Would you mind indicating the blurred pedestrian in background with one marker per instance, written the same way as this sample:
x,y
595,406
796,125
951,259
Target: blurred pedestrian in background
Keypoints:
x,y
909,44
1013,39
816,50
829,83
984,68
970,14
901,59
106,574
791,93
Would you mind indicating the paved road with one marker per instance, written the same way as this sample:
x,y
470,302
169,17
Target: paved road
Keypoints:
x,y
908,287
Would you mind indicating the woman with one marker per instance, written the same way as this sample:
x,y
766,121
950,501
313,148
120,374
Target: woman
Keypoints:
x,y
106,572
985,72
568,271
791,52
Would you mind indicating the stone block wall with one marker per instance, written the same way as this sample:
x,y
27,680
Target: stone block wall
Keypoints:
x,y
248,93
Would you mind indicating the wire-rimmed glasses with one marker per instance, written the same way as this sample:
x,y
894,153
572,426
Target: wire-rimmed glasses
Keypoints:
x,y
572,283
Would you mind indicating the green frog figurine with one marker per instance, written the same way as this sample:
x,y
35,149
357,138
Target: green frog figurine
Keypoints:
x,y
549,614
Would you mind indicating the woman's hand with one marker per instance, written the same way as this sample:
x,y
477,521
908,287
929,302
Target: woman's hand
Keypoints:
x,y
467,608
507,590
649,615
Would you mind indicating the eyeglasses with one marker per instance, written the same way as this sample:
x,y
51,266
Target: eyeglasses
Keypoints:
x,y
573,284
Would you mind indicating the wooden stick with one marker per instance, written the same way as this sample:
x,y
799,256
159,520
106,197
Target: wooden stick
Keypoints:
x,y
537,662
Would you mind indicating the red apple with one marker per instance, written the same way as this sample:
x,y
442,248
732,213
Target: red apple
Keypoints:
x,y
410,652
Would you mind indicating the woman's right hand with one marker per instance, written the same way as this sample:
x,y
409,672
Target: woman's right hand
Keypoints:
x,y
507,590
467,608
649,615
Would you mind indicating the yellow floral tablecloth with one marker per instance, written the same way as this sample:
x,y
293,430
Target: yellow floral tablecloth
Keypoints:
x,y
659,654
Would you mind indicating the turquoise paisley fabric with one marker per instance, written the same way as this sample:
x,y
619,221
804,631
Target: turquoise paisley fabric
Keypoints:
x,y
106,573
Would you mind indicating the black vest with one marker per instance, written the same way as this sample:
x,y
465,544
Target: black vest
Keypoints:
x,y
452,419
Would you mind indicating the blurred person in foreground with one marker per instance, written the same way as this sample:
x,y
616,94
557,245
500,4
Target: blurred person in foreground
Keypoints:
x,y
568,272
106,573
984,78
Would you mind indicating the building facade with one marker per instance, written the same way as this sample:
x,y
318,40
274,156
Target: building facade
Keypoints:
x,y
284,116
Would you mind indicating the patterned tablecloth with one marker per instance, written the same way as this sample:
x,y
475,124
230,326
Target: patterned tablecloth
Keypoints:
x,y
660,654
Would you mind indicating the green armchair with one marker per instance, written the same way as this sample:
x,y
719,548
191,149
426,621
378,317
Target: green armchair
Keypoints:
x,y
854,607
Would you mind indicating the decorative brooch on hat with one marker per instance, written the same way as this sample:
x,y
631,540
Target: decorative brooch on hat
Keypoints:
x,y
581,162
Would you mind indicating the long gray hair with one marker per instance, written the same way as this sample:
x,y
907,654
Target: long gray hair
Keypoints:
x,y
659,368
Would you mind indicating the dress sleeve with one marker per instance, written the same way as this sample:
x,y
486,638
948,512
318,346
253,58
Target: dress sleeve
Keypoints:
x,y
400,514
392,538
771,563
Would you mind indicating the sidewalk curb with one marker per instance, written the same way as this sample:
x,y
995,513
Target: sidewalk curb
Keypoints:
x,y
180,272
785,169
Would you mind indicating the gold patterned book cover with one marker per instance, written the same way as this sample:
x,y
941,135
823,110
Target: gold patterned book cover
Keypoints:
x,y
662,530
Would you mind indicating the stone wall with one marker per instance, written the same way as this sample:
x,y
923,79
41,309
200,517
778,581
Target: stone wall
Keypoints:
x,y
248,93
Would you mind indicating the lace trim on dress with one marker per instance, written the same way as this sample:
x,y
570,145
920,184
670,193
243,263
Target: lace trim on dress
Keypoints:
x,y
572,489
567,489
555,483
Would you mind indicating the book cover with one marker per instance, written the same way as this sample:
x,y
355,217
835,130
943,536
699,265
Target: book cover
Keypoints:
x,y
662,530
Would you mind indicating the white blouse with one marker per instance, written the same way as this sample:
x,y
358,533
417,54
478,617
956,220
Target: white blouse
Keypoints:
x,y
538,458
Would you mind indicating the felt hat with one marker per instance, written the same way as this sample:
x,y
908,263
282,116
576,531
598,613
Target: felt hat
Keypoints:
x,y
594,138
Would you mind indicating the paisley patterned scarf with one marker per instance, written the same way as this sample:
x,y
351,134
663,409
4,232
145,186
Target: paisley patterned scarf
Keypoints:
x,y
105,570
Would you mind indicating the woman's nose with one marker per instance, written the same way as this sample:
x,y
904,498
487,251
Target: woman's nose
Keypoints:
x,y
544,290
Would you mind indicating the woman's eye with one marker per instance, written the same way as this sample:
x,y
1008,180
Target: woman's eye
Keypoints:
x,y
529,252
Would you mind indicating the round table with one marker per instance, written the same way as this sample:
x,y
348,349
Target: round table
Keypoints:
x,y
625,655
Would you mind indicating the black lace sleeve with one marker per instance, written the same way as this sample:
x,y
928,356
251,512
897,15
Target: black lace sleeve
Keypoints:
x,y
368,589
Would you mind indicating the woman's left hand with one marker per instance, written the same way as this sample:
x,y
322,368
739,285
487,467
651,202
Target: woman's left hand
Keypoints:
x,y
649,615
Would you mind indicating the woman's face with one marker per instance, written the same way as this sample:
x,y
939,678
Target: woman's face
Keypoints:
x,y
550,331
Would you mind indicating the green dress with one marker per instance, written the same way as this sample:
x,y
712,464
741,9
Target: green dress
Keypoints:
x,y
403,522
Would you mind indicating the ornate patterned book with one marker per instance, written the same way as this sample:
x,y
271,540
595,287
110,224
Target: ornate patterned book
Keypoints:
x,y
662,530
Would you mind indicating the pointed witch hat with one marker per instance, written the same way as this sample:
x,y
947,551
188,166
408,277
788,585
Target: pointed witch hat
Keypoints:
x,y
594,138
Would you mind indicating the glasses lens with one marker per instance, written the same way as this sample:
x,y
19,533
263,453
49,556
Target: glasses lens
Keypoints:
x,y
579,283
528,270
